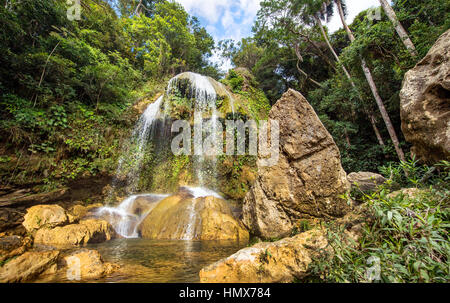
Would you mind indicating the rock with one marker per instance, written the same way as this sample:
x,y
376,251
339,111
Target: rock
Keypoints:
x,y
90,262
268,262
207,218
10,218
425,104
365,181
44,216
12,246
76,213
29,266
87,231
307,180
143,205
41,198
411,193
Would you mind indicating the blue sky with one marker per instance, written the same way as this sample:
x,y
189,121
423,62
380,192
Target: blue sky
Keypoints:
x,y
233,19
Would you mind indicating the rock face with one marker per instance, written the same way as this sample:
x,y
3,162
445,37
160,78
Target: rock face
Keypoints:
x,y
44,216
87,231
425,104
276,262
365,181
306,181
184,217
29,266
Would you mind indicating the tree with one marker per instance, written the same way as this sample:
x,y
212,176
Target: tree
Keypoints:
x,y
373,88
399,28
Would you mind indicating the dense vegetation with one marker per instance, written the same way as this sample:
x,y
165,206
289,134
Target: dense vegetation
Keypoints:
x,y
66,87
289,50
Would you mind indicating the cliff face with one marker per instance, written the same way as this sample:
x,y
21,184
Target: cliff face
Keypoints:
x,y
425,104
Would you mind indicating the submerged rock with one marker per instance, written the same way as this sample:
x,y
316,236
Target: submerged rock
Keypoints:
x,y
268,262
206,218
29,266
87,231
425,104
366,181
48,216
307,180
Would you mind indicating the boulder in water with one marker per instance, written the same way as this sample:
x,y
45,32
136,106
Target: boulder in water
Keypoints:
x,y
268,262
425,104
203,218
87,231
308,179
91,264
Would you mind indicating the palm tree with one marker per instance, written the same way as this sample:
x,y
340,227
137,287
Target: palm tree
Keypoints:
x,y
399,28
373,87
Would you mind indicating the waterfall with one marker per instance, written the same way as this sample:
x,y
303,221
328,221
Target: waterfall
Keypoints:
x,y
123,218
130,163
128,173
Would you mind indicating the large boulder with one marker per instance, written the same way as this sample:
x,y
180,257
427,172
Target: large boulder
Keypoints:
x,y
188,218
425,104
307,180
268,262
88,264
44,216
366,181
87,231
29,266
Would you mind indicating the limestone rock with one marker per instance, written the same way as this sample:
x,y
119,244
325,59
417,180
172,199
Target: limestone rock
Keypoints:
x,y
87,231
425,104
365,181
44,216
411,193
307,180
268,262
178,217
29,266
91,264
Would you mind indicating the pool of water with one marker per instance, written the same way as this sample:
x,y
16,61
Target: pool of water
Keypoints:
x,y
160,261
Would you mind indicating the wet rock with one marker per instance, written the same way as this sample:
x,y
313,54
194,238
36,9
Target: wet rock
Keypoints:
x,y
11,218
268,262
76,213
366,181
307,180
88,264
207,218
48,216
425,104
29,266
87,231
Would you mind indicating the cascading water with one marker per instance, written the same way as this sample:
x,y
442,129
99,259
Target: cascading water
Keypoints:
x,y
202,91
123,218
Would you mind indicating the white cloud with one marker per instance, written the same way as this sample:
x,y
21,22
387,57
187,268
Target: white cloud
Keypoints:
x,y
354,7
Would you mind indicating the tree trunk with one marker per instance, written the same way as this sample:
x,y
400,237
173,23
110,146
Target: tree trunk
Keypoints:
x,y
325,36
300,59
399,28
373,121
373,88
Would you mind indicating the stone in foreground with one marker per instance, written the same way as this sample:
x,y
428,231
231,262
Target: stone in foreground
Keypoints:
x,y
275,262
425,104
307,180
91,264
187,218
29,266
